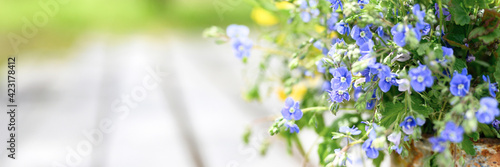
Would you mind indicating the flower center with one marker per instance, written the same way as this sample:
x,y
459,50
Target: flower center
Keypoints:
x,y
342,79
292,110
362,34
387,79
341,92
461,86
420,79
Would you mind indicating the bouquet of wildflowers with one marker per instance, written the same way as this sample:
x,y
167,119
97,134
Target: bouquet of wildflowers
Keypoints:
x,y
393,72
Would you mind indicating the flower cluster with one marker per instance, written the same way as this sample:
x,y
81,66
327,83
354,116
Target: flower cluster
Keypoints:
x,y
407,64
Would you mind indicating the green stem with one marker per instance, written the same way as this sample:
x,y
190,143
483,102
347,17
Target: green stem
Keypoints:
x,y
314,109
440,4
299,145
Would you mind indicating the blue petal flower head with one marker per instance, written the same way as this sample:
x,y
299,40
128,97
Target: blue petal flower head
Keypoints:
x,y
421,77
353,131
339,95
438,144
370,151
362,3
452,132
399,34
416,31
326,86
423,27
319,45
386,79
460,83
382,34
358,90
420,122
492,87
336,4
447,51
488,110
496,124
341,78
320,66
395,137
308,11
293,127
242,47
417,12
445,12
361,35
239,38
408,125
397,149
234,31
330,23
375,70
370,104
342,28
291,111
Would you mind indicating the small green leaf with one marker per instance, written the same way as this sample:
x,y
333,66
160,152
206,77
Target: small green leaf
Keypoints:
x,y
468,147
474,136
422,50
377,161
497,71
246,135
390,113
488,38
478,31
459,65
460,16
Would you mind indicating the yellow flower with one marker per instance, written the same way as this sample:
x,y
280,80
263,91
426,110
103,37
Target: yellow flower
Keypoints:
x,y
298,92
319,28
284,5
263,17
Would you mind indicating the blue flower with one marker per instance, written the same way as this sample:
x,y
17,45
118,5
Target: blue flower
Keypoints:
x,y
420,14
242,47
496,124
234,31
492,87
370,151
341,78
339,95
460,83
326,86
488,110
320,66
361,35
445,12
395,137
319,45
382,34
342,28
366,49
291,111
293,127
447,51
452,133
408,125
438,144
336,4
352,131
399,33
332,20
308,11
423,27
239,38
358,90
362,3
387,79
420,122
421,77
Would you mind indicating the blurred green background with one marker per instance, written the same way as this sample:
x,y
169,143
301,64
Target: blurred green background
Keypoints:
x,y
117,17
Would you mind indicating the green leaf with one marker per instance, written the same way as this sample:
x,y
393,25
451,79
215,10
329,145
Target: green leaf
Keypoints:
x,y
377,161
460,16
459,65
497,71
488,38
422,50
390,113
246,136
468,147
418,105
485,129
474,136
478,31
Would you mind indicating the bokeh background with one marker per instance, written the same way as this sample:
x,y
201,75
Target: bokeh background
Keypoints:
x,y
79,60
141,69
